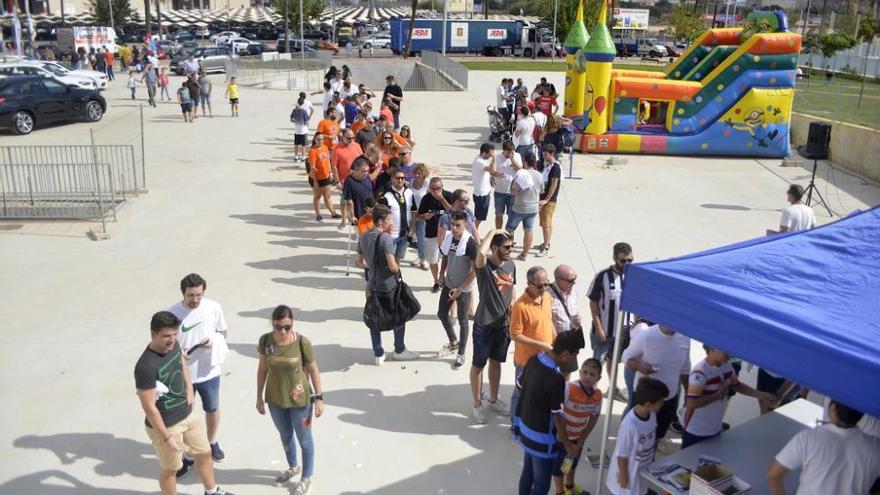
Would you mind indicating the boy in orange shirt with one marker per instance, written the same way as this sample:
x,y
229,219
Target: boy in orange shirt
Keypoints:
x,y
583,403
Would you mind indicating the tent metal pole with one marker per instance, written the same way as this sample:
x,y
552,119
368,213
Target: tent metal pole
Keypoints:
x,y
618,328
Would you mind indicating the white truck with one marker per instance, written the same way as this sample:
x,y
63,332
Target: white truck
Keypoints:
x,y
71,39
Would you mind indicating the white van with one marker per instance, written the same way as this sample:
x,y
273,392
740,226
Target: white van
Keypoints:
x,y
70,39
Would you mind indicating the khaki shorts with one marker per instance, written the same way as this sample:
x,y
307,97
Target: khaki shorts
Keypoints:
x,y
191,434
546,214
432,251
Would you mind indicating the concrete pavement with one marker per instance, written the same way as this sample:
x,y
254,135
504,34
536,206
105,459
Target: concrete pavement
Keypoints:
x,y
226,201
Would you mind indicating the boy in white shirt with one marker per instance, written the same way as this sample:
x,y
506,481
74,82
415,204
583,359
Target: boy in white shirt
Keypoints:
x,y
636,439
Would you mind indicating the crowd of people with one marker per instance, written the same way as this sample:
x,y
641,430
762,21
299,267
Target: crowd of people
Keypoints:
x,y
393,204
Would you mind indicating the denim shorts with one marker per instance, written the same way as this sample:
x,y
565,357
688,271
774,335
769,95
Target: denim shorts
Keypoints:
x,y
205,98
489,343
503,203
601,350
209,391
514,219
481,207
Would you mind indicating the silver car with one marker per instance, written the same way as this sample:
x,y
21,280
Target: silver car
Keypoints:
x,y
211,58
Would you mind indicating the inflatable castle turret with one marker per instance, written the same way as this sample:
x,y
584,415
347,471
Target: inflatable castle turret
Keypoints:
x,y
599,54
575,71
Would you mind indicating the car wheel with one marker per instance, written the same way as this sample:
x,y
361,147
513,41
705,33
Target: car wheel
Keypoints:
x,y
94,112
527,53
387,46
22,122
368,45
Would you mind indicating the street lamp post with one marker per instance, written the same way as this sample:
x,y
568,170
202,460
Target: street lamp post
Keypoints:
x,y
443,42
555,13
110,4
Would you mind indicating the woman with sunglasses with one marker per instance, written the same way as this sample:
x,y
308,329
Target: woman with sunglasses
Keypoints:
x,y
387,147
419,186
289,376
321,176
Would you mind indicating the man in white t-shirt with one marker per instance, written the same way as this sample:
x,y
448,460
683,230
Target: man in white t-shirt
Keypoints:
x,y
505,169
797,216
202,339
833,458
501,100
707,393
661,353
481,175
523,136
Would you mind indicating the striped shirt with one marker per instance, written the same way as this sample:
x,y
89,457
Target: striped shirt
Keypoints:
x,y
605,291
704,380
579,407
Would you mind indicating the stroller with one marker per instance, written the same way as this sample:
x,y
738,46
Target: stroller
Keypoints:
x,y
499,130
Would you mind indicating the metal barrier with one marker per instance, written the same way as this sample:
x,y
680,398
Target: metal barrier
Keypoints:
x,y
450,70
292,72
78,182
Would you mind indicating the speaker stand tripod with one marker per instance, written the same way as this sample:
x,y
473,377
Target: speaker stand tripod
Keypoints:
x,y
812,187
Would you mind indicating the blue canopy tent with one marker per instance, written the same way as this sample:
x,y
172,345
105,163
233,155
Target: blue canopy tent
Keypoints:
x,y
804,305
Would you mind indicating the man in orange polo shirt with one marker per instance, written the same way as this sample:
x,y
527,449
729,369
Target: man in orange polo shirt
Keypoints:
x,y
329,127
341,159
531,324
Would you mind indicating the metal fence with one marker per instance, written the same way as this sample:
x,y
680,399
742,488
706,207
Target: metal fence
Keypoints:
x,y
293,72
451,71
862,59
77,182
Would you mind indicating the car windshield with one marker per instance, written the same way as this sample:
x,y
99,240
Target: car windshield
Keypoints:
x,y
54,70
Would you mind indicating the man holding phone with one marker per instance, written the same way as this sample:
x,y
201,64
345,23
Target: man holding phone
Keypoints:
x,y
202,328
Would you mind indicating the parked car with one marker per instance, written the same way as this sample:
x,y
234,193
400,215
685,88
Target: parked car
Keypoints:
x,y
256,48
222,37
314,34
30,101
100,78
211,58
187,47
170,47
648,47
673,51
182,36
378,41
202,32
295,46
240,44
267,33
35,68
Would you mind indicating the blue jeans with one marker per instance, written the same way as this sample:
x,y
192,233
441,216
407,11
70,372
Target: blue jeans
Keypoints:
x,y
688,439
535,478
376,337
514,397
296,420
514,218
525,148
400,247
420,238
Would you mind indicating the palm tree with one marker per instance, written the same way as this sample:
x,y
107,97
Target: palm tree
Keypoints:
x,y
147,16
412,25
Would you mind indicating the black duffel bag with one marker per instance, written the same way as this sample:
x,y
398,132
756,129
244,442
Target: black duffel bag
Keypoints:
x,y
389,310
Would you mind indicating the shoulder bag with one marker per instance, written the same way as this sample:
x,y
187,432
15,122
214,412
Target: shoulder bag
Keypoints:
x,y
389,310
579,331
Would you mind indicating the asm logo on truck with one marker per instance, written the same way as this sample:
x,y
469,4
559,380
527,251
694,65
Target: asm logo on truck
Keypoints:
x,y
421,33
496,34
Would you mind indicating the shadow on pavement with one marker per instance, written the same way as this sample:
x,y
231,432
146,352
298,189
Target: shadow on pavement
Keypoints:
x,y
331,357
55,482
314,263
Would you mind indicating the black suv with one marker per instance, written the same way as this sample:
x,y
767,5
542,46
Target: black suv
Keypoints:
x,y
28,101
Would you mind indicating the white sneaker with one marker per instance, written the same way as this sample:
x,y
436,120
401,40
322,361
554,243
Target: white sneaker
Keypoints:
x,y
406,355
480,415
288,474
303,487
459,362
500,407
378,360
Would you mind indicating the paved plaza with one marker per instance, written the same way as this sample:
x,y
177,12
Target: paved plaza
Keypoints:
x,y
226,201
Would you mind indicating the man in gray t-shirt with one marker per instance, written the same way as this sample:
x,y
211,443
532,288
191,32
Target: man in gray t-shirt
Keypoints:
x,y
526,188
459,251
382,277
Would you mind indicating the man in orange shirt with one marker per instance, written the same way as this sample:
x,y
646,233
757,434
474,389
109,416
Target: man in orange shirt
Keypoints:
x,y
109,59
329,127
531,324
341,159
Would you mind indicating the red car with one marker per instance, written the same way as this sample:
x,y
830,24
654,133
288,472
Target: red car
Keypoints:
x,y
326,45
672,51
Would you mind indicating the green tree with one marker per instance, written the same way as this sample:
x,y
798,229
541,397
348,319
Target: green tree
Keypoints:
x,y
289,12
566,14
101,11
685,23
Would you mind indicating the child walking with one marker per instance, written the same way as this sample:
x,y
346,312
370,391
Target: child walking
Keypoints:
x,y
132,82
583,403
232,94
637,438
163,85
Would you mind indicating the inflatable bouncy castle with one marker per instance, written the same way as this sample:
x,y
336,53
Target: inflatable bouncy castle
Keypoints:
x,y
730,93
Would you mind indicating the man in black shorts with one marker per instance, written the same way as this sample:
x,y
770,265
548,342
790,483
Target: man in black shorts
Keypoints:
x,y
496,278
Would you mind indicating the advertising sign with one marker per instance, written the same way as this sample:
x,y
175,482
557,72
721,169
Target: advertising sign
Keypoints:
x,y
631,18
459,32
496,34
420,33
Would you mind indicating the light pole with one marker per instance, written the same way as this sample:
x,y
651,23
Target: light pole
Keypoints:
x,y
555,13
302,36
443,42
110,4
